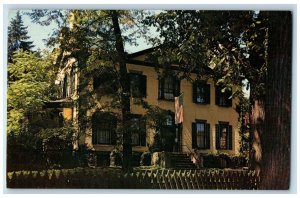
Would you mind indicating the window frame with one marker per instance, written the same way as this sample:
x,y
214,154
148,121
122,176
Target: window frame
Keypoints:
x,y
110,122
141,84
175,91
227,97
196,94
229,139
142,134
206,135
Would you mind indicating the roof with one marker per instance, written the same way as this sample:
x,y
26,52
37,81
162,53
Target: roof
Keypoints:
x,y
142,52
131,60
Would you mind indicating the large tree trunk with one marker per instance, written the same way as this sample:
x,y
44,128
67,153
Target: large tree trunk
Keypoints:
x,y
276,138
257,122
125,98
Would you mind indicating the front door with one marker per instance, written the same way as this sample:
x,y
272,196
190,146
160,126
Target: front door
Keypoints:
x,y
170,135
168,138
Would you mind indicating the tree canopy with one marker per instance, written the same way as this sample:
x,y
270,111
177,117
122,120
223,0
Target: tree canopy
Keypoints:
x,y
18,37
30,81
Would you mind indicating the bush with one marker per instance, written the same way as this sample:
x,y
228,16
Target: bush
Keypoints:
x,y
223,161
57,146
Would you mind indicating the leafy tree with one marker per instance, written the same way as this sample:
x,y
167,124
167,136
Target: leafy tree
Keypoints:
x,y
30,80
18,37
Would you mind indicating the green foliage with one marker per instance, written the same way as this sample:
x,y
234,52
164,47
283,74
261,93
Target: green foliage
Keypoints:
x,y
232,43
17,37
30,80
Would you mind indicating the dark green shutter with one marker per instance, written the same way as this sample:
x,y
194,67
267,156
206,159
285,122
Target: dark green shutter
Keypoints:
x,y
195,92
207,94
217,95
229,101
176,84
194,135
207,136
143,85
160,88
114,129
143,133
94,128
229,138
218,136
94,131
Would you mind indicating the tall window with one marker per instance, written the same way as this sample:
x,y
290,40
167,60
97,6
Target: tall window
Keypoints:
x,y
169,133
72,81
223,98
66,88
169,87
200,134
223,136
138,131
138,85
104,128
201,93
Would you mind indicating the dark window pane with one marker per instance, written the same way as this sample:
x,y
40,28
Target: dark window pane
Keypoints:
x,y
138,85
138,131
201,93
103,128
201,135
224,136
168,88
223,98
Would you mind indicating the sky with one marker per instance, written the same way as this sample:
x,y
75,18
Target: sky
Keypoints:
x,y
35,31
38,33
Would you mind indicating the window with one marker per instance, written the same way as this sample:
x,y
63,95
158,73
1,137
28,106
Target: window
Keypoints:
x,y
223,136
138,85
169,87
72,81
223,98
104,128
138,131
66,88
105,81
200,134
169,133
201,93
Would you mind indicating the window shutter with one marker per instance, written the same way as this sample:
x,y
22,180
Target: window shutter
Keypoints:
x,y
207,93
217,136
94,128
94,133
143,85
207,136
143,133
217,95
176,84
194,135
229,140
160,88
113,130
229,101
195,92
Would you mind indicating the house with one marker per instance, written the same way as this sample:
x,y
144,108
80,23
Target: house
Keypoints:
x,y
210,123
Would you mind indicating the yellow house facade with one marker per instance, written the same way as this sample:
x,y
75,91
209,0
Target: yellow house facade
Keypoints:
x,y
210,121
